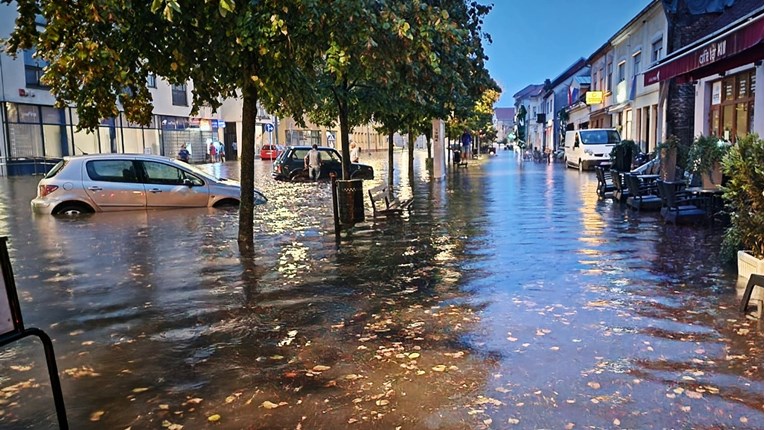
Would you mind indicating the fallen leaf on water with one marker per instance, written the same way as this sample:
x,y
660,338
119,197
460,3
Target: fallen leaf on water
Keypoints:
x,y
570,401
140,390
320,368
21,368
439,368
164,407
502,390
414,355
569,426
292,333
593,385
76,332
382,402
171,426
230,399
685,408
194,401
512,339
96,416
744,420
678,390
617,422
269,405
352,377
554,348
693,394
487,421
513,421
214,418
87,343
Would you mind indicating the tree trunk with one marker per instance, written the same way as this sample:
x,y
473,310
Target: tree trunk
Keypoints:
x,y
428,135
345,146
390,159
411,154
247,166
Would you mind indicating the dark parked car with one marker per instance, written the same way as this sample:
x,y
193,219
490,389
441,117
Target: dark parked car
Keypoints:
x,y
289,166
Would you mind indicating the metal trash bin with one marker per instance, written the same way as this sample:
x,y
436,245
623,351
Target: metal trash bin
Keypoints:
x,y
350,201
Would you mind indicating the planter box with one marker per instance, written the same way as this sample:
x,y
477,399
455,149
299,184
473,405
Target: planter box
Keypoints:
x,y
747,265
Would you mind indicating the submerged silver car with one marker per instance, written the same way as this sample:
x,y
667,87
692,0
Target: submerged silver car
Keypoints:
x,y
118,182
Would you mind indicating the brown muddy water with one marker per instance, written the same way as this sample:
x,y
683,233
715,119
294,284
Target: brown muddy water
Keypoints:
x,y
510,297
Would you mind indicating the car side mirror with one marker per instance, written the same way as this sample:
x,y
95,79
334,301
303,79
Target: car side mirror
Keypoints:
x,y
188,182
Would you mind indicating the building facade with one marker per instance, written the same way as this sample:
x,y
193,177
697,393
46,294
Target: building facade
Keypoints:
x,y
713,84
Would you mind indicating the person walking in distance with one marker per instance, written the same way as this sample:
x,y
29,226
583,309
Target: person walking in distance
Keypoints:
x,y
183,154
312,162
467,141
355,152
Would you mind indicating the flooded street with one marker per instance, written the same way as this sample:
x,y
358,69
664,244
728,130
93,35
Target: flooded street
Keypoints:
x,y
510,297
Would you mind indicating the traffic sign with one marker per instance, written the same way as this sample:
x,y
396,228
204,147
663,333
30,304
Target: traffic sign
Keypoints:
x,y
268,127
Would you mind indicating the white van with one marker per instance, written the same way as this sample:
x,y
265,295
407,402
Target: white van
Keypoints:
x,y
588,148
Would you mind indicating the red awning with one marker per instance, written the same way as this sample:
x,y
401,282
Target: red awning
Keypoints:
x,y
729,50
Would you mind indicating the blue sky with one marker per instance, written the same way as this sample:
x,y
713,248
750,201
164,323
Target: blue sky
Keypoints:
x,y
534,40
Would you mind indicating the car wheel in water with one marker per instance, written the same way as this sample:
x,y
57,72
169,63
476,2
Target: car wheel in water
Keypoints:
x,y
73,209
299,175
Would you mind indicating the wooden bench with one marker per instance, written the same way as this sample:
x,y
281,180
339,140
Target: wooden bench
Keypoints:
x,y
392,205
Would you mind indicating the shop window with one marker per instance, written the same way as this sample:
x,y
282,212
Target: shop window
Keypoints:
x,y
734,117
179,95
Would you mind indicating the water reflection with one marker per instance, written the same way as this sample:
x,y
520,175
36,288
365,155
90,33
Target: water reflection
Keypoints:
x,y
510,293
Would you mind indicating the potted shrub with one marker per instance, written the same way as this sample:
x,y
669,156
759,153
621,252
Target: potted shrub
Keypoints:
x,y
704,157
743,195
622,154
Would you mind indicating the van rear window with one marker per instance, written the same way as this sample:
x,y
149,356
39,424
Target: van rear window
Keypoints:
x,y
599,137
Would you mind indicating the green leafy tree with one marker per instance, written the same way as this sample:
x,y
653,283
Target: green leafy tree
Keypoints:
x,y
100,56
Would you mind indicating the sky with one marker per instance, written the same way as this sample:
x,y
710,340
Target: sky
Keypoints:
x,y
534,40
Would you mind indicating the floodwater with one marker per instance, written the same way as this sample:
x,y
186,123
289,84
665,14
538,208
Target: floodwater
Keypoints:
x,y
510,297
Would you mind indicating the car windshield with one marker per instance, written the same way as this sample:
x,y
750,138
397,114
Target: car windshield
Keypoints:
x,y
599,137
198,171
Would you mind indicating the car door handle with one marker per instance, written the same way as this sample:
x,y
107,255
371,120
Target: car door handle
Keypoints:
x,y
155,190
95,188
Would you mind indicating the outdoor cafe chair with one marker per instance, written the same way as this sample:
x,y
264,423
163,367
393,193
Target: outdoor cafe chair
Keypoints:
x,y
641,195
679,206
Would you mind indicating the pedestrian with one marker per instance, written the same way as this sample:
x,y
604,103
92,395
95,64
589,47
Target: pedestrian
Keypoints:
x,y
355,152
467,141
235,149
220,151
213,152
191,153
548,154
183,154
312,162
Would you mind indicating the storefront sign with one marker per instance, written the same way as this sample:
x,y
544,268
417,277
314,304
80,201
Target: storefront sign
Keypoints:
x,y
716,90
594,97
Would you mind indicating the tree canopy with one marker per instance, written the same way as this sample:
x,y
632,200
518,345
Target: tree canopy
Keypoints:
x,y
350,61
